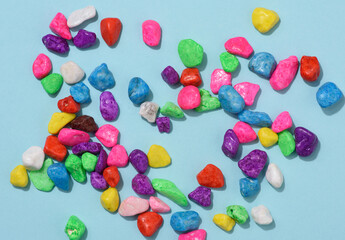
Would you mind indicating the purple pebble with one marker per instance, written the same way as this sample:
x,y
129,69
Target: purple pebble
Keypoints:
x,y
201,195
306,141
55,43
84,39
230,144
139,160
91,147
170,76
101,162
108,106
141,184
253,163
98,181
163,124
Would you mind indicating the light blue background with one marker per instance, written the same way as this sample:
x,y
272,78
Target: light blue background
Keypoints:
x,y
310,205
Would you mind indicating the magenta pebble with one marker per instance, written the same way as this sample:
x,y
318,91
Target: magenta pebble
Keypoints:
x,y
91,147
101,162
170,76
163,124
253,163
55,43
139,160
98,181
141,184
108,106
84,39
201,195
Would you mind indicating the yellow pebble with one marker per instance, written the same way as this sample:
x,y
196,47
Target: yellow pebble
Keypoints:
x,y
264,19
224,221
58,121
110,199
19,176
158,156
267,137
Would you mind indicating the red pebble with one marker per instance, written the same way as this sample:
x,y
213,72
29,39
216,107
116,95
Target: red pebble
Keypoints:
x,y
149,222
191,76
112,176
110,30
68,105
310,68
54,149
211,176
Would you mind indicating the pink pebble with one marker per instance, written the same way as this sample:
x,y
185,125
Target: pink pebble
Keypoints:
x,y
158,205
282,122
71,137
244,132
189,97
193,235
151,32
41,66
248,91
284,74
239,46
59,26
132,206
219,78
118,156
107,135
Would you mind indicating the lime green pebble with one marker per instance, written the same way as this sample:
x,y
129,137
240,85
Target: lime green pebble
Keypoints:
x,y
190,52
229,62
89,161
52,83
208,102
286,143
75,228
171,110
75,168
40,178
169,189
238,213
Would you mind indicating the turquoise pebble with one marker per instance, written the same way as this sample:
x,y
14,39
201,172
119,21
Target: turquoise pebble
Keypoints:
x,y
230,100
185,221
101,78
259,119
138,90
328,94
57,172
263,64
80,93
249,187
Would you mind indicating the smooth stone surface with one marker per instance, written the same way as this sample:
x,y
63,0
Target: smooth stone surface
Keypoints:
x,y
139,160
80,93
58,121
112,176
55,43
71,137
170,76
230,100
306,141
138,90
248,91
71,72
249,187
84,39
201,195
199,234
253,163
274,176
259,119
149,110
224,221
111,30
185,221
101,161
110,199
75,228
151,33
81,15
84,123
219,78
33,158
282,122
19,177
91,147
101,78
132,206
229,62
264,19
107,135
163,124
211,176
54,149
57,172
190,76
74,166
41,66
267,137
169,189
286,143
52,83
261,215
230,144
141,184
207,102
98,182
238,213
239,46
171,110
158,156
191,53
328,94
118,156
284,74
244,132
108,106
157,205
263,64
310,68
148,223
189,97
59,26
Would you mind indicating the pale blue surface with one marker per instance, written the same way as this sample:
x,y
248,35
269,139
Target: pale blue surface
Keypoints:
x,y
311,203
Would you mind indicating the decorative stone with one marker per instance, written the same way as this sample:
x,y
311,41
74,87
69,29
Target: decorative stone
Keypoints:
x,y
310,68
211,176
107,135
158,156
132,206
157,205
306,141
238,213
58,121
249,187
190,52
284,74
230,144
286,143
101,78
110,199
170,76
282,122
101,161
274,176
81,15
54,149
58,174
75,228
55,44
84,123
84,39
141,184
260,119
108,106
149,110
98,182
267,137
110,30
185,221
112,176
239,46
139,160
33,158
199,234
169,189
40,178
190,76
263,64
71,72
171,110
224,221
59,26
163,124
229,62
41,66
89,161
80,93
68,105
19,177
118,156
230,100
328,95
264,19
261,215
74,166
71,137
151,33
253,163
201,195
138,90
207,102
247,91
244,132
91,147
148,223
189,97
219,78
52,83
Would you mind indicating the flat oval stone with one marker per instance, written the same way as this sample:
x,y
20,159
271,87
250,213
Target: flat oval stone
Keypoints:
x,y
55,43
81,15
199,234
264,19
267,137
108,106
261,215
139,160
52,83
238,213
91,147
71,137
230,144
101,161
190,52
151,32
158,156
310,68
57,172
110,199
112,176
244,132
219,78
306,141
171,110
101,78
71,72
163,124
201,195
259,119
224,221
284,74
170,76
282,122
249,187
74,166
148,223
239,46
132,206
286,143
230,100
189,97
149,110
207,102
98,182
84,39
253,163
107,135
110,30
118,156
248,91
169,189
229,62
59,26
157,205
68,105
84,123
40,178
41,66
263,64
190,76
328,95
138,90
141,184
80,93
211,176
185,221
274,176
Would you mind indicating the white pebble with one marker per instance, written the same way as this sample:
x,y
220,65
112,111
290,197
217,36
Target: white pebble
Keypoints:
x,y
79,16
71,72
33,158
261,215
148,110
274,176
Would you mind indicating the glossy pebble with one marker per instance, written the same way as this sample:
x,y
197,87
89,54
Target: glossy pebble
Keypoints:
x,y
230,100
253,163
68,105
286,143
71,137
55,43
199,234
118,156
170,76
52,83
80,93
107,135
149,110
239,46
189,97
238,213
110,30
84,39
163,124
261,215
59,26
101,78
112,176
310,68
89,161
224,221
274,176
229,62
98,182
263,64
57,172
132,206
247,91
157,205
84,123
158,156
259,119
328,94
169,189
141,184
306,141
139,160
211,176
284,74
282,122
75,228
101,161
110,199
91,147
244,132
108,106
185,221
33,158
207,102
249,187
264,19
54,149
71,72
19,177
75,167
40,178
151,33
138,90
230,144
219,78
58,121
81,15
171,110
190,76
267,137
148,223
191,53
201,195
41,66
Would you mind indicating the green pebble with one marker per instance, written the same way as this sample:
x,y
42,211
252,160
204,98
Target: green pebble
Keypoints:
x,y
171,110
89,161
40,178
169,189
286,143
75,168
208,102
229,62
190,52
75,228
52,83
238,213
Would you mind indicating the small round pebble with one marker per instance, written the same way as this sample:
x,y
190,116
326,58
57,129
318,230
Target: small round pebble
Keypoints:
x,y
110,30
189,97
68,105
286,143
306,141
158,156
101,78
19,177
253,163
58,121
57,172
267,137
33,158
284,74
132,206
211,176
201,195
190,52
263,64
230,100
118,156
151,33
261,215
230,144
75,228
248,91
41,66
75,167
71,72
139,160
328,95
84,39
238,213
282,122
149,110
108,106
107,135
138,90
71,137
219,78
244,132
59,26
110,199
55,43
148,223
89,161
274,176
171,110
190,76
112,176
98,181
141,184
84,123
81,15
170,76
239,46
80,93
52,83
163,124
224,221
185,221
229,62
310,68
54,149
249,187
40,178
264,19
157,205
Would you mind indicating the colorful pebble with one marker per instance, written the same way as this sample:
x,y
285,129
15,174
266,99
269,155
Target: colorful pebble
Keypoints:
x,y
84,39
75,228
55,43
149,110
169,189
141,184
112,176
138,90
59,26
239,46
107,135
101,161
139,160
110,199
108,106
189,97
282,122
190,76
328,95
84,123
110,30
157,205
101,78
158,156
40,178
230,100
80,93
238,213
19,177
259,119
185,221
306,141
170,76
199,234
52,83
201,195
68,105
75,167
58,174
58,121
132,206
253,163
224,221
267,137
284,74
190,52
71,137
163,124
171,110
33,158
263,64
118,156
247,91
207,102
249,187
148,223
41,66
264,19
98,182
89,161
230,144
151,33
91,147
261,215
244,132
71,72
81,15
310,68
219,78
286,143
54,149
211,176
229,62
274,176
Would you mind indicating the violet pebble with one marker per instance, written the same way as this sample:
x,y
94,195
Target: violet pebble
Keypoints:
x,y
91,147
141,184
108,106
306,141
139,160
201,195
84,39
163,124
98,181
253,163
170,76
101,161
230,144
55,43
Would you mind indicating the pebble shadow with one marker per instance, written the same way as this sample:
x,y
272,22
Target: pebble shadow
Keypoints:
x,y
335,107
268,227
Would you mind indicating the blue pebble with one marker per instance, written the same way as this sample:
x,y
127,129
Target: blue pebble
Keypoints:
x,y
263,64
58,174
328,94
185,221
138,90
259,119
249,187
230,100
80,93
101,78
